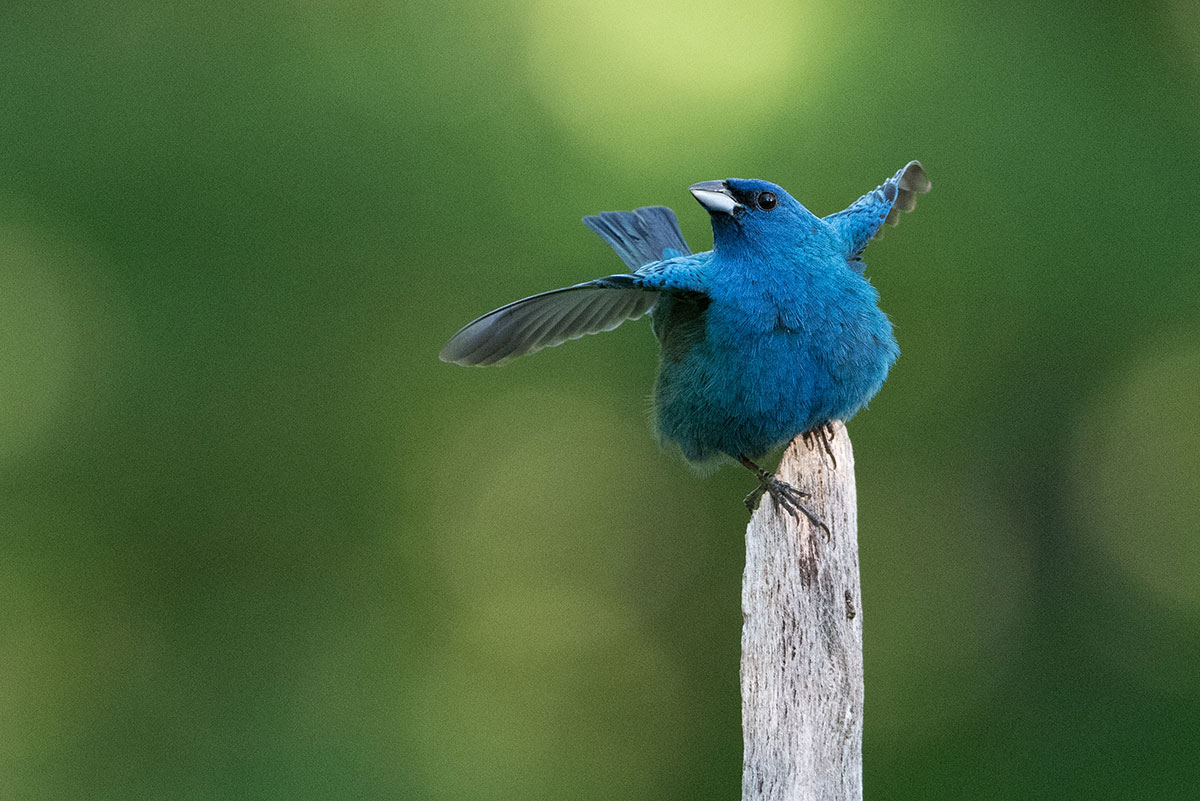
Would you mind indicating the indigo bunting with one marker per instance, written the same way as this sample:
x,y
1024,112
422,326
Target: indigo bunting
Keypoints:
x,y
773,333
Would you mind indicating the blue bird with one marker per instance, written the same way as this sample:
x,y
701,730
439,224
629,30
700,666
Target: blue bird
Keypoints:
x,y
773,333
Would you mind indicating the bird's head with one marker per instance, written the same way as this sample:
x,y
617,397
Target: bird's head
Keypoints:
x,y
745,211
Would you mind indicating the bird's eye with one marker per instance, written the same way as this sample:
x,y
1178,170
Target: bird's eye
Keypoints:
x,y
767,200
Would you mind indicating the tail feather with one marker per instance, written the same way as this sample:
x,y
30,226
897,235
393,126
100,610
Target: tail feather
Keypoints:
x,y
642,236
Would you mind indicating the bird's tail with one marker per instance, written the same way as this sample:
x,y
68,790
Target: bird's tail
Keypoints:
x,y
641,236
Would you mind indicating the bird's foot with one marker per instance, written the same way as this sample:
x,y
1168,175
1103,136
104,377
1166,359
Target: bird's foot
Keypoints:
x,y
785,496
822,434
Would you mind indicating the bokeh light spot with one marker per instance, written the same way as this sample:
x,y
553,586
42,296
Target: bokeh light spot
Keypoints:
x,y
542,657
644,80
66,340
545,471
1185,19
73,644
40,338
526,694
943,570
1136,477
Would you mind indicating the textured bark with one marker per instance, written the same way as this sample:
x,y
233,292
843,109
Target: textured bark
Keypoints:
x,y
802,679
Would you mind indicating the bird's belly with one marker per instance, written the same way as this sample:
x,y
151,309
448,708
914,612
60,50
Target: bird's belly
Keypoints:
x,y
739,394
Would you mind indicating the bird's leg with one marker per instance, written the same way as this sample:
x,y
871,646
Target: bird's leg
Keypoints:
x,y
784,494
824,434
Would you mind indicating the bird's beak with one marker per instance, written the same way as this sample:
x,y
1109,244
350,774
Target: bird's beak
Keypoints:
x,y
715,196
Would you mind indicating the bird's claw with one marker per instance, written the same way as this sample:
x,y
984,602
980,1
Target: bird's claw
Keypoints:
x,y
824,434
787,498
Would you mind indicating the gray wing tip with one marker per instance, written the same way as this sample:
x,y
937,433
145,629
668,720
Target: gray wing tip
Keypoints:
x,y
452,355
910,181
914,179
489,359
471,346
458,351
451,352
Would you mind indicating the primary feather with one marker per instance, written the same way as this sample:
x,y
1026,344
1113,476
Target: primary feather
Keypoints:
x,y
545,320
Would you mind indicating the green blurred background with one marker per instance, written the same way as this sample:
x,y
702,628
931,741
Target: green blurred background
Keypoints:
x,y
257,542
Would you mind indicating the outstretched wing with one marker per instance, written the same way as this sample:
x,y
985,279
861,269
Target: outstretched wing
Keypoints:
x,y
546,320
864,218
648,240
552,318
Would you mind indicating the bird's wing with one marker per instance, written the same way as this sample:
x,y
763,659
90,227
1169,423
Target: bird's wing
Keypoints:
x,y
641,236
865,217
546,320
551,318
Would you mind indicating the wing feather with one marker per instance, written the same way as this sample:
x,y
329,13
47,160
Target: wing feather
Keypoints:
x,y
545,320
864,219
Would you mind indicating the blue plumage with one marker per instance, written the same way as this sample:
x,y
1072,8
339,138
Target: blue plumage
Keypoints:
x,y
773,333
642,236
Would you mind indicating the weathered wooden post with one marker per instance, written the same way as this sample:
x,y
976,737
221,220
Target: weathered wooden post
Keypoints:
x,y
802,665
